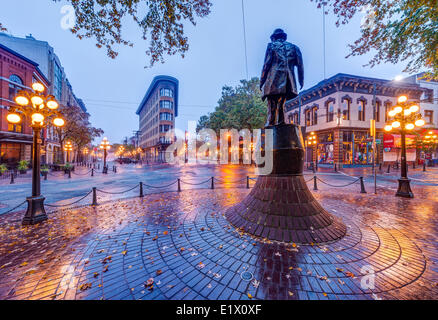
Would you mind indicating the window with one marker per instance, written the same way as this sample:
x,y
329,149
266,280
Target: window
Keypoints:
x,y
164,92
166,104
308,117
15,127
428,116
378,103
330,109
15,86
166,116
346,104
57,81
314,116
361,109
387,108
165,127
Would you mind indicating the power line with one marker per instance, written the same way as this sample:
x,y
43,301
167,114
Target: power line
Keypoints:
x,y
244,40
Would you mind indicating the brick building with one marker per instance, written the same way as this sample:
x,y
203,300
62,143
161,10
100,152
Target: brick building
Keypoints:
x,y
16,73
157,113
339,110
50,65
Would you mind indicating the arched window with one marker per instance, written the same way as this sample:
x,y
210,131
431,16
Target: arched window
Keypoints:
x,y
346,104
361,103
315,114
330,109
15,84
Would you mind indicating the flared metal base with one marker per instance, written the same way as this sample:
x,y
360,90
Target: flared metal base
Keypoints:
x,y
404,188
35,211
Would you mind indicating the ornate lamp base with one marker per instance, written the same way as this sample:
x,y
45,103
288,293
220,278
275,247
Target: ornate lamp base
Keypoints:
x,y
404,188
35,211
280,206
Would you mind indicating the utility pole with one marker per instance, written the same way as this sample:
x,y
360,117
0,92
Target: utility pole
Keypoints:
x,y
373,132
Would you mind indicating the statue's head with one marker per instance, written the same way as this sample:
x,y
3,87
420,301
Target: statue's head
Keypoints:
x,y
278,34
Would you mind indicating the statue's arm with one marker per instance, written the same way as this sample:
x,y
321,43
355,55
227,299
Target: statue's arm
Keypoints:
x,y
266,65
300,68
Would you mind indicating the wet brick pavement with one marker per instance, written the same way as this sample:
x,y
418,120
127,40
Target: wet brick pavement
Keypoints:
x,y
179,246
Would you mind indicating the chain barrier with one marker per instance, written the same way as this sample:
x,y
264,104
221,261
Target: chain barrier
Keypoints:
x,y
236,181
120,192
158,187
331,185
196,184
66,205
10,210
82,174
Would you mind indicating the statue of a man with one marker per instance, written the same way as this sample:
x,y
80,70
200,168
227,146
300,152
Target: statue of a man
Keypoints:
x,y
278,77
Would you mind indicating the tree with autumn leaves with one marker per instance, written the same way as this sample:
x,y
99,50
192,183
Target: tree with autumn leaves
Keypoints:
x,y
77,128
396,30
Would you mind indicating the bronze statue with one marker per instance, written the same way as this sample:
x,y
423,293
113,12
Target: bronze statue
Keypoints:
x,y
278,77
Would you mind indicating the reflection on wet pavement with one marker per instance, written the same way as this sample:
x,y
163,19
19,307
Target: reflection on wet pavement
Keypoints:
x,y
179,246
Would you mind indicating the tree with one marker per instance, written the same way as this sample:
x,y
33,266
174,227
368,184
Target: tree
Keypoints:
x,y
159,20
238,108
77,128
398,30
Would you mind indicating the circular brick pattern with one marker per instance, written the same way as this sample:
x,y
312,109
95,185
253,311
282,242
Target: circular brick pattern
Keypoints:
x,y
180,246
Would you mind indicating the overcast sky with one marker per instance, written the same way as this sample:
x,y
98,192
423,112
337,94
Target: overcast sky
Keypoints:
x,y
112,89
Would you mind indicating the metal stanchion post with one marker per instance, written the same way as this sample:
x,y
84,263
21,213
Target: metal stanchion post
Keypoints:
x,y
94,197
212,182
141,190
179,185
362,186
315,186
247,182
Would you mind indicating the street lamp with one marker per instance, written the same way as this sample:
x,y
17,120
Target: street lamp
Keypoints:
x,y
41,109
85,152
67,148
405,117
105,146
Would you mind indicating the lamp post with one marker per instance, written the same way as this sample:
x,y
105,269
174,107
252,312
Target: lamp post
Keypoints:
x,y
42,110
405,117
68,147
105,146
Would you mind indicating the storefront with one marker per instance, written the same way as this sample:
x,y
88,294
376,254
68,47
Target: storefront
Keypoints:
x,y
325,152
392,148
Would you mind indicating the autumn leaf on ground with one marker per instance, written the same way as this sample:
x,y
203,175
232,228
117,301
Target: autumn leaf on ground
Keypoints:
x,y
154,238
165,232
95,274
105,269
349,274
339,270
85,286
250,295
23,264
124,252
158,272
290,293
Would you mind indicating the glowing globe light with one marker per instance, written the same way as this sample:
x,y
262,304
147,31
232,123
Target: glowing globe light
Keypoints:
x,y
22,100
37,118
58,122
407,112
388,127
37,100
13,118
398,109
402,99
38,87
414,108
420,123
395,124
391,113
410,126
52,104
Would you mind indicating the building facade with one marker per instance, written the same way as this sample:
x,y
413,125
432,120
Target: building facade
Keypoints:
x,y
157,113
338,111
50,66
16,73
